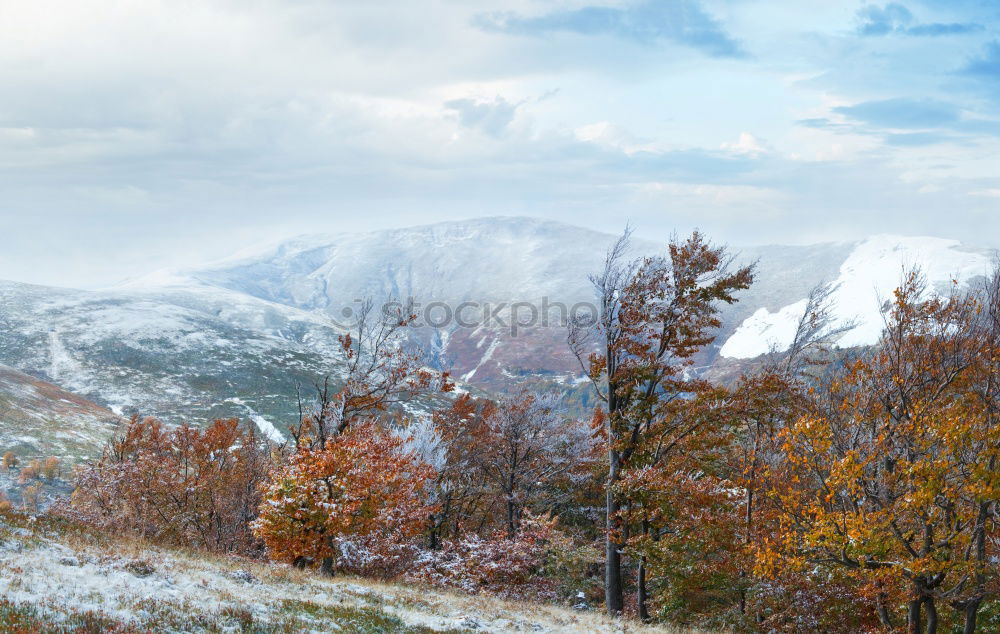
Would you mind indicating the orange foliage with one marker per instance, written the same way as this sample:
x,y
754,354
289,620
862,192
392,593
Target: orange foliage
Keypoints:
x,y
361,489
892,475
182,486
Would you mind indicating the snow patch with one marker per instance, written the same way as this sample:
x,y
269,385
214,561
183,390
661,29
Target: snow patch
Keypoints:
x,y
61,363
866,280
265,426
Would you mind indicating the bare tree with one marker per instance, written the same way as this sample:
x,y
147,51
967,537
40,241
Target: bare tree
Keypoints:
x,y
817,330
610,285
528,444
378,374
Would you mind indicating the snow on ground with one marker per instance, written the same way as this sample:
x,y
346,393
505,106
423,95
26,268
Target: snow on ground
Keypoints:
x,y
764,331
265,426
867,278
159,589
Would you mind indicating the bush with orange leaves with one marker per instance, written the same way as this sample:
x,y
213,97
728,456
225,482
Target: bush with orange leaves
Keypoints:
x,y
180,486
356,504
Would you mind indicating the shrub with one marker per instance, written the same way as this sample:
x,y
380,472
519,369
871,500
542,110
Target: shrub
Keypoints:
x,y
50,469
30,496
502,565
355,504
183,486
28,473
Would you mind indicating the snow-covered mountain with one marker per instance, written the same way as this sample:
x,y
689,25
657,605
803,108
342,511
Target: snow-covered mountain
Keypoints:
x,y
191,353
235,338
510,260
493,262
862,284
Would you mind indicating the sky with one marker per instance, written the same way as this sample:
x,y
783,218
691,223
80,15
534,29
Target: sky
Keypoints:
x,y
137,135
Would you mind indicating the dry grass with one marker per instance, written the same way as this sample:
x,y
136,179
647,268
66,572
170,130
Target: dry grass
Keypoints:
x,y
52,571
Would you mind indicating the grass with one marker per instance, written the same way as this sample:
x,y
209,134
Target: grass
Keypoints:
x,y
24,618
182,590
299,616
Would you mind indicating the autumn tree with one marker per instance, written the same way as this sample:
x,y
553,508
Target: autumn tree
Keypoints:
x,y
341,482
889,475
764,401
460,487
980,459
503,457
526,444
360,485
181,486
655,315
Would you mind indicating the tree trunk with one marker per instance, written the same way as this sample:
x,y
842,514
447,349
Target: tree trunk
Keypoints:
x,y
327,568
913,616
971,615
884,617
972,605
641,593
435,527
613,594
511,517
932,616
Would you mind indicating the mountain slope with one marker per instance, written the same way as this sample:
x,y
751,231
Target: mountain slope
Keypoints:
x,y
507,260
180,354
52,582
41,419
239,336
863,282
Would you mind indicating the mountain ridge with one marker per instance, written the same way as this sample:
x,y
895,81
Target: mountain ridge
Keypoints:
x,y
241,337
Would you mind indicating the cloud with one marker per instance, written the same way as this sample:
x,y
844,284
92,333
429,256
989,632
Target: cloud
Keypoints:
x,y
988,193
987,65
749,145
917,139
131,123
894,18
682,22
902,112
490,116
931,121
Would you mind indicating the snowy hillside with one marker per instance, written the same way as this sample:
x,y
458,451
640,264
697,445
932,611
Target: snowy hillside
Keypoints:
x,y
236,337
181,354
865,280
50,583
489,261
523,259
504,259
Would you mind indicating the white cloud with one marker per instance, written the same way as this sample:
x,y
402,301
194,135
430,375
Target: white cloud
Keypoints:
x,y
988,193
747,144
130,122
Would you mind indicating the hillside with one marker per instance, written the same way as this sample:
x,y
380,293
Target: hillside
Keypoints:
x,y
54,576
507,260
40,419
180,354
240,337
